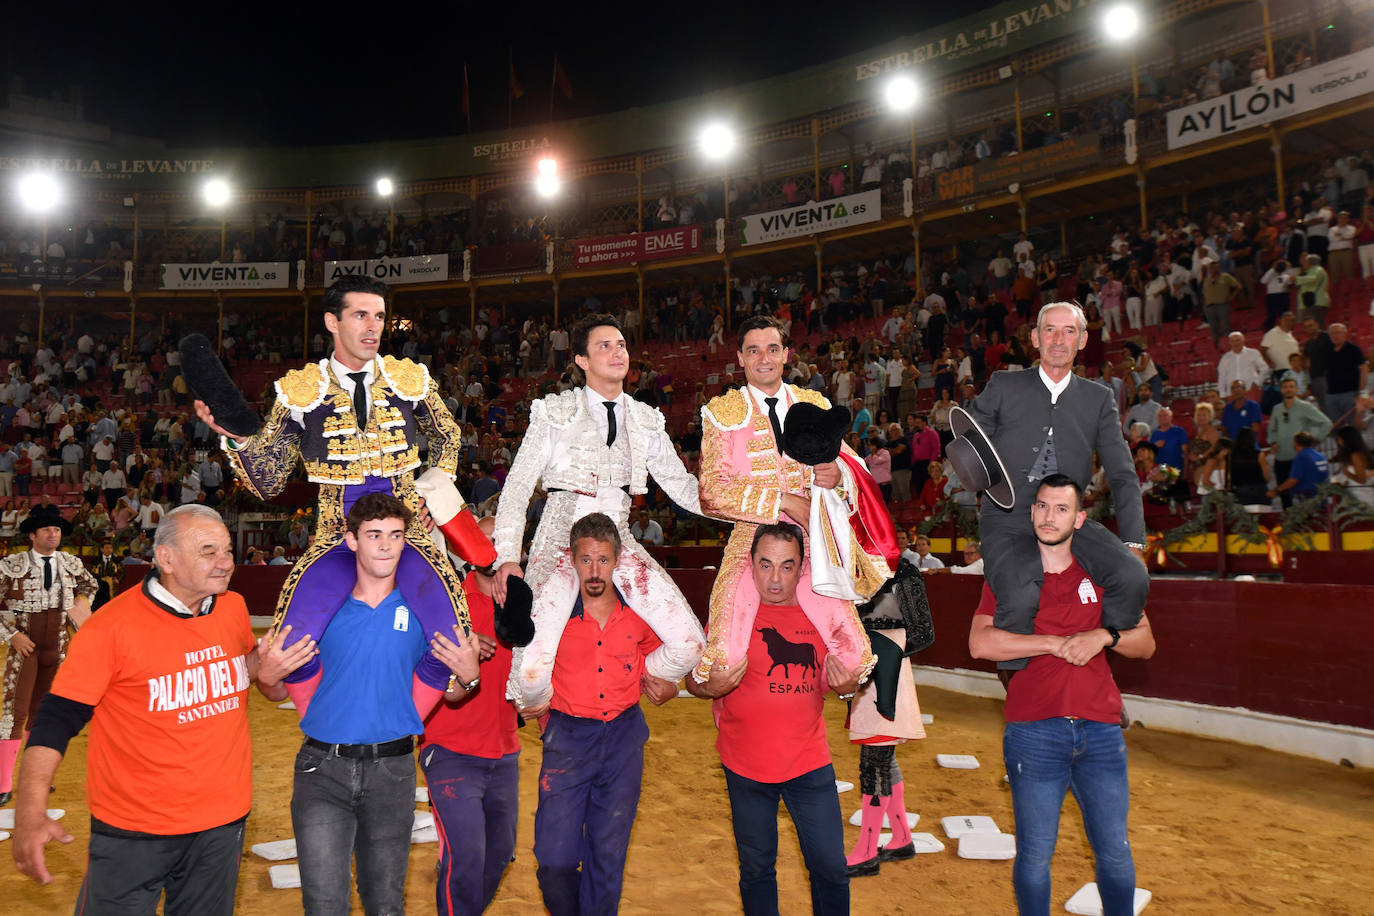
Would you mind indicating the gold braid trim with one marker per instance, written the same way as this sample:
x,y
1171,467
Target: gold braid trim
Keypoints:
x,y
408,380
728,411
303,389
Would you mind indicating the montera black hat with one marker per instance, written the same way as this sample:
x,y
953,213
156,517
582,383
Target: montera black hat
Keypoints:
x,y
208,381
812,434
976,461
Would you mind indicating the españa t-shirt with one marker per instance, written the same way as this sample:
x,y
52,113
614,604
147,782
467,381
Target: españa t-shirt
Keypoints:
x,y
169,750
770,726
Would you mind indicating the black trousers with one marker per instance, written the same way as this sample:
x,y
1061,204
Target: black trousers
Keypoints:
x,y
1012,568
128,872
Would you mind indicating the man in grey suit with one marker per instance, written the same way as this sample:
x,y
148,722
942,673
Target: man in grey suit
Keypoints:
x,y
1046,420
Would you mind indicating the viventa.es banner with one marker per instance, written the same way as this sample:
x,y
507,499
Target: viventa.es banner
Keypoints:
x,y
812,218
257,275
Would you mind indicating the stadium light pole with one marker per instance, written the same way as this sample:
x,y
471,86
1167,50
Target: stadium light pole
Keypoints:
x,y
903,96
217,194
1121,25
385,188
717,143
39,193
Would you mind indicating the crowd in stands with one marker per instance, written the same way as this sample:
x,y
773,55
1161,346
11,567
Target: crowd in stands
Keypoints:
x,y
1262,369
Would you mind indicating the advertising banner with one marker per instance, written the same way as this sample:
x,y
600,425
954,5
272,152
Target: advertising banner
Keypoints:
x,y
1307,90
997,174
261,275
611,250
428,268
811,218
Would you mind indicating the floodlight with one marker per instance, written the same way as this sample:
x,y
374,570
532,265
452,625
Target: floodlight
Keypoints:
x,y
547,166
216,192
901,93
1121,22
547,185
385,187
39,192
717,141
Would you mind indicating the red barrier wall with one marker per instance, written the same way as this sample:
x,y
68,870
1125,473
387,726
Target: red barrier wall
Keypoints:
x,y
1292,650
1289,649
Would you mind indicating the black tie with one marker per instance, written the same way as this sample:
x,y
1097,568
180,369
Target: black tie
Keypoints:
x,y
610,422
773,418
47,573
359,398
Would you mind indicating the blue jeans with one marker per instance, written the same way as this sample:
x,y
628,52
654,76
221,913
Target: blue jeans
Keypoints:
x,y
475,800
588,797
815,811
342,809
1046,758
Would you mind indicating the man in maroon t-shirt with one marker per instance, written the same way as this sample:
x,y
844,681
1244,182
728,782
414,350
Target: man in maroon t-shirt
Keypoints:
x,y
594,738
771,740
1063,712
470,754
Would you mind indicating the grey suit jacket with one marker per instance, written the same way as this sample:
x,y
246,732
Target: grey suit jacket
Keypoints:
x,y
1015,411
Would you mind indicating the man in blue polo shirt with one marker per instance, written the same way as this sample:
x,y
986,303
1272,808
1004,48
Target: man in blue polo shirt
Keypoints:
x,y
1169,440
1240,412
354,790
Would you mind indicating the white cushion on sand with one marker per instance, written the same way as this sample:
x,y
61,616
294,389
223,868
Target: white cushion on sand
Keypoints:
x,y
922,842
423,819
927,842
957,761
1087,902
857,818
7,816
842,786
285,876
987,846
956,827
289,704
276,850
425,835
422,793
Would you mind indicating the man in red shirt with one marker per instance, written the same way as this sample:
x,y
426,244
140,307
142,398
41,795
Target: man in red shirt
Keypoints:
x,y
1063,712
769,713
594,737
470,755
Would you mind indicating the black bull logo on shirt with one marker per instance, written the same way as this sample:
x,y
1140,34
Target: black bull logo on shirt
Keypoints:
x,y
786,653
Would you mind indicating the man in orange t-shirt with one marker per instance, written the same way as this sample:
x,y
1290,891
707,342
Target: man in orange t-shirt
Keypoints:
x,y
770,716
162,675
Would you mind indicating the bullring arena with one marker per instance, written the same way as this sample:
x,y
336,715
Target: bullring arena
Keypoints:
x,y
876,230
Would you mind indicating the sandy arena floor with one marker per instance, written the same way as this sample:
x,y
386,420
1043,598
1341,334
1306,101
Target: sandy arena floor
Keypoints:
x,y
1217,827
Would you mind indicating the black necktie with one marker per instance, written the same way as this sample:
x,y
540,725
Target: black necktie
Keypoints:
x,y
610,422
773,418
359,398
47,573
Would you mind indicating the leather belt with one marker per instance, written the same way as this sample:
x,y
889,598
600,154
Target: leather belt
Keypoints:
x,y
625,488
365,751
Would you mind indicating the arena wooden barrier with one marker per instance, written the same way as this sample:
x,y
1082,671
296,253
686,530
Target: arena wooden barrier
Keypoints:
x,y
1290,649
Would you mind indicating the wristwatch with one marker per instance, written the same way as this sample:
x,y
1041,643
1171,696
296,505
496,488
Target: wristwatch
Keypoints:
x,y
1134,545
1116,636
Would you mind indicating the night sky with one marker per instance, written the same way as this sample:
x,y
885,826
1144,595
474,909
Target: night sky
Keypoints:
x,y
285,76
